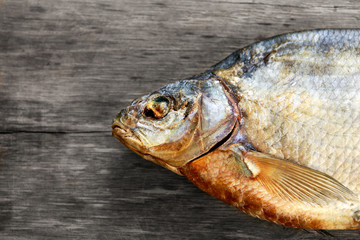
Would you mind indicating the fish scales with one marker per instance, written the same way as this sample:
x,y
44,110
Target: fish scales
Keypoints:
x,y
273,129
302,102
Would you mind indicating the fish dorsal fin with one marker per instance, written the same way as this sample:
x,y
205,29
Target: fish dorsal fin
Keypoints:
x,y
295,183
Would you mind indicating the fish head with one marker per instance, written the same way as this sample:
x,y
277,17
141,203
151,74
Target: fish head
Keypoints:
x,y
179,122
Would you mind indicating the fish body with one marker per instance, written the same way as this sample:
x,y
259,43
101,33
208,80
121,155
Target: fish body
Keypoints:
x,y
273,129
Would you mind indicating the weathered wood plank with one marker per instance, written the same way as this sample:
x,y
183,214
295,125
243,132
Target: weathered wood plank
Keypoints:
x,y
68,66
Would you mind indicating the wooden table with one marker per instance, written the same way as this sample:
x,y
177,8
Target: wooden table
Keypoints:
x,y
67,67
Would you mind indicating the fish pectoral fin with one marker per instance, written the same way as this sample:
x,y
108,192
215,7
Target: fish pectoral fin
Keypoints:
x,y
293,182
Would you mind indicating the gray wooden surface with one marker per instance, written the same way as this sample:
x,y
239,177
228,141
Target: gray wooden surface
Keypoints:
x,y
67,67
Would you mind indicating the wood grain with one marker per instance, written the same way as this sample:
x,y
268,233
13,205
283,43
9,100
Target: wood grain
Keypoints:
x,y
68,66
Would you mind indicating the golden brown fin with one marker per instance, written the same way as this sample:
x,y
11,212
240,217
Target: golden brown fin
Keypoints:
x,y
294,182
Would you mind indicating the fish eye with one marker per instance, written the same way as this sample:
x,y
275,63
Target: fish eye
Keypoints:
x,y
157,108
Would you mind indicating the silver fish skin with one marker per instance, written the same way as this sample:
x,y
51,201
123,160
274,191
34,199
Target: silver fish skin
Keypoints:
x,y
300,95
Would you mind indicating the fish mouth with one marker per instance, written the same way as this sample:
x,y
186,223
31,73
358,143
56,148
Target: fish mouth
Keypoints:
x,y
130,140
119,130
127,137
123,133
